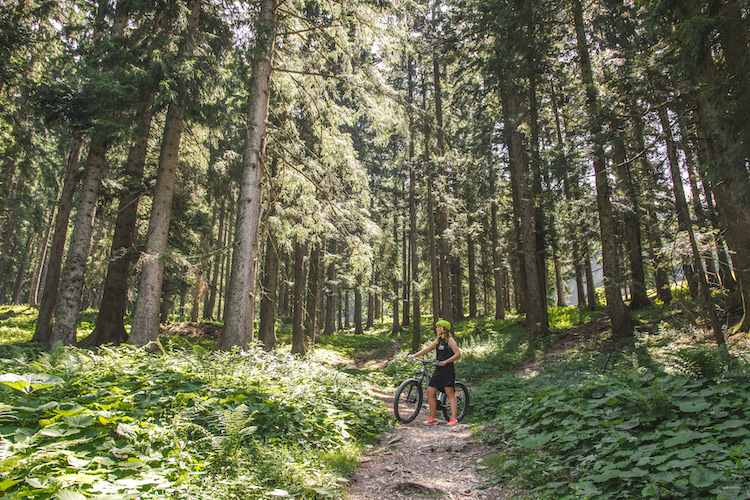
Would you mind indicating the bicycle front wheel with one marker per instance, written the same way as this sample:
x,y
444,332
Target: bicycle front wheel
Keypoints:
x,y
462,399
408,400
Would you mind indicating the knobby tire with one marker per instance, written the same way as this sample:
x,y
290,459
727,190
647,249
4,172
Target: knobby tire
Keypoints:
x,y
408,400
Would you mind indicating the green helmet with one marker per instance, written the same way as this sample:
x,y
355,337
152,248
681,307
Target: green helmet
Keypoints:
x,y
443,323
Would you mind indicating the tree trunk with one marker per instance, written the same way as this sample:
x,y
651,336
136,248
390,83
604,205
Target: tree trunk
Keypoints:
x,y
358,310
213,289
405,273
632,219
238,325
434,278
446,291
701,218
471,261
536,307
590,284
269,295
43,330
110,327
313,293
371,304
22,268
661,278
497,265
346,310
416,340
396,287
330,291
725,271
71,285
685,224
298,295
536,177
622,322
145,327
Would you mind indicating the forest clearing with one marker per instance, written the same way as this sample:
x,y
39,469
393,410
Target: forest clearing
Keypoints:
x,y
224,226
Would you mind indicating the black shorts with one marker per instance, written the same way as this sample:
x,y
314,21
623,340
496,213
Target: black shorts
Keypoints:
x,y
445,376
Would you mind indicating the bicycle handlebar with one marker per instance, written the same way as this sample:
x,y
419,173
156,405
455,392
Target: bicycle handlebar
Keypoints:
x,y
434,363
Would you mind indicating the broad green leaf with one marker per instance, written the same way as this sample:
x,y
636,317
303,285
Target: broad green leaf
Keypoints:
x,y
8,483
29,382
36,483
536,441
682,438
695,405
80,420
126,430
69,495
130,464
704,478
278,493
78,463
606,475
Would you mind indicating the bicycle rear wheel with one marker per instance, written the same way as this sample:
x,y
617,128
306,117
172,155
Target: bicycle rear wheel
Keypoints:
x,y
462,398
408,400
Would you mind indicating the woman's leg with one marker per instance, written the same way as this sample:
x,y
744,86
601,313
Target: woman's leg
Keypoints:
x,y
431,391
451,393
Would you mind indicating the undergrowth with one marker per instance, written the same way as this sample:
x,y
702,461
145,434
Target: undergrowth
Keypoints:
x,y
121,423
664,416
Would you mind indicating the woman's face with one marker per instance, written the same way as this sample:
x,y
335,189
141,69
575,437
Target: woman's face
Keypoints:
x,y
440,330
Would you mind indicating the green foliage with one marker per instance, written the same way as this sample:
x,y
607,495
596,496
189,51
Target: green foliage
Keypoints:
x,y
649,429
565,317
187,424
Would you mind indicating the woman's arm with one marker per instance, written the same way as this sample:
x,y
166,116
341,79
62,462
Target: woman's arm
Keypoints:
x,y
456,352
426,349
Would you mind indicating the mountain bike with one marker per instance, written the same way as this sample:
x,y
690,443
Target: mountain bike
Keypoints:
x,y
409,397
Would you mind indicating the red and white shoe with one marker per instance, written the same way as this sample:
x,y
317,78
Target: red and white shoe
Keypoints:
x,y
452,422
431,421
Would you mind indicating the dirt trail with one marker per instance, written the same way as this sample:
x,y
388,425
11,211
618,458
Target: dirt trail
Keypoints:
x,y
417,461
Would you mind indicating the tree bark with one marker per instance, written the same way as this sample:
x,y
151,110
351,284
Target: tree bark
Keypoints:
x,y
446,290
36,279
497,265
471,262
71,285
238,325
396,327
298,295
110,326
43,330
358,310
622,322
145,326
685,224
416,340
639,297
404,273
269,295
330,291
313,294
590,285
22,268
213,289
536,307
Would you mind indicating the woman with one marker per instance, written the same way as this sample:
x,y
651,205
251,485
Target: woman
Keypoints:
x,y
444,378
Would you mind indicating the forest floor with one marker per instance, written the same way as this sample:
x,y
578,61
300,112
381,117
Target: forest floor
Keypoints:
x,y
418,462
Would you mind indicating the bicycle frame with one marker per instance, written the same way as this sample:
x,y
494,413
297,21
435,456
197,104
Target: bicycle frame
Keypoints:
x,y
409,398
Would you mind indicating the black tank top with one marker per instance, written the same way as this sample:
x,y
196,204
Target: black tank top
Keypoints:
x,y
443,350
